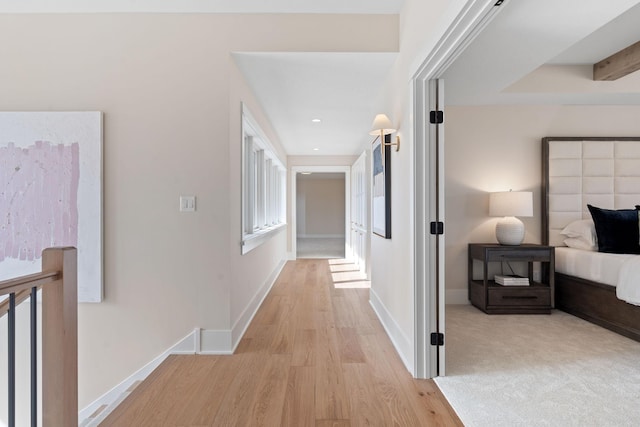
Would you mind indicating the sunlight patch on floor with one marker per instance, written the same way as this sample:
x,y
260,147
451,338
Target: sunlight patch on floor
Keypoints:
x,y
347,275
361,284
340,261
344,267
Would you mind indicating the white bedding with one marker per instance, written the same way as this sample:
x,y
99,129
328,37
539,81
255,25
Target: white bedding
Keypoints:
x,y
628,288
619,270
590,265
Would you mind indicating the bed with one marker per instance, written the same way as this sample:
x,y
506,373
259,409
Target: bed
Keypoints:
x,y
603,172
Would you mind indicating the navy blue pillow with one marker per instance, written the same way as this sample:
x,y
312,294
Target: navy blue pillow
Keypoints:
x,y
617,230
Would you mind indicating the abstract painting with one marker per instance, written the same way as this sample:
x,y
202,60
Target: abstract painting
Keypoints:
x,y
381,200
51,193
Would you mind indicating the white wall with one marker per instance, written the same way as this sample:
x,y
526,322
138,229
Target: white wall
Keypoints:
x,y
492,148
170,94
251,274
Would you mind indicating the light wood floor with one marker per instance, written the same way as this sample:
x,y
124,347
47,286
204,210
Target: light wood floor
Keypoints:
x,y
314,355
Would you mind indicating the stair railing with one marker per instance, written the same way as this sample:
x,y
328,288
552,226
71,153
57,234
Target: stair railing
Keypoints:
x,y
58,281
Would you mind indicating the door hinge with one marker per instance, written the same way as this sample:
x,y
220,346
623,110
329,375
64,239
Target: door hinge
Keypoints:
x,y
437,338
436,117
437,227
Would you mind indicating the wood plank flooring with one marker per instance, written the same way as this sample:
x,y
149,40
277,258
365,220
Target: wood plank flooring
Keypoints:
x,y
315,354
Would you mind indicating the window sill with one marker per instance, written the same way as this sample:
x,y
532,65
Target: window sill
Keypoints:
x,y
252,241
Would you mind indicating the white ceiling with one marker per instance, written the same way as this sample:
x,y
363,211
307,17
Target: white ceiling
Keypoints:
x,y
524,36
337,88
518,58
529,34
202,6
614,36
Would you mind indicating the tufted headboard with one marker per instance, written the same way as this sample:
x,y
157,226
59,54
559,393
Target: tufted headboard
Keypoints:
x,y
576,171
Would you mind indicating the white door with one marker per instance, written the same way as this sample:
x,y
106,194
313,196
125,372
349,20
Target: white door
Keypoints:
x,y
429,224
436,224
360,214
429,252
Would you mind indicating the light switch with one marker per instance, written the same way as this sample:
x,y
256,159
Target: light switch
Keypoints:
x,y
187,203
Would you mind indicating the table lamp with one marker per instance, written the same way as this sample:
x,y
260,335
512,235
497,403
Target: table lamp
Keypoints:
x,y
509,205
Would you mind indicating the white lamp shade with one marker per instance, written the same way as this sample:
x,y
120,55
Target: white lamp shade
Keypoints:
x,y
511,203
381,123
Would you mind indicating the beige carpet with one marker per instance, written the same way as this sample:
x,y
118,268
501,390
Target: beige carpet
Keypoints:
x,y
539,370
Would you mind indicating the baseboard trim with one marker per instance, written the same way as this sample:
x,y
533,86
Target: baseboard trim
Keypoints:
x,y
214,342
240,326
457,297
291,256
117,394
199,341
321,236
399,340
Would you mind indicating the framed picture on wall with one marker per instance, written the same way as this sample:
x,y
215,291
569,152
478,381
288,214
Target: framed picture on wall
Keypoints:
x,y
381,199
51,193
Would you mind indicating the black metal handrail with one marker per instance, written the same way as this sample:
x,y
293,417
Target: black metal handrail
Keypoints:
x,y
19,290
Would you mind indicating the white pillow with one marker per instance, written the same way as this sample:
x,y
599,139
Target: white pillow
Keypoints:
x,y
581,234
579,243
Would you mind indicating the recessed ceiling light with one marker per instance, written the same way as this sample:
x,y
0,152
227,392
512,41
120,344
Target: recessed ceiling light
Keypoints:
x,y
305,173
316,120
316,149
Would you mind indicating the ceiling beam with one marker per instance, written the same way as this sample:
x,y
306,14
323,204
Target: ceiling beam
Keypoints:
x,y
619,64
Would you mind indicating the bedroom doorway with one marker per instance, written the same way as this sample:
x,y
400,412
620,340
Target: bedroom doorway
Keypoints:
x,y
428,204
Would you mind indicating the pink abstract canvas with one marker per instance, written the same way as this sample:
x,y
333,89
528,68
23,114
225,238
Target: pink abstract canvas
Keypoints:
x,y
51,192
38,198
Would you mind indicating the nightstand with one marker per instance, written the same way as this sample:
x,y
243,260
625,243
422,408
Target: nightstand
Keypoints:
x,y
492,298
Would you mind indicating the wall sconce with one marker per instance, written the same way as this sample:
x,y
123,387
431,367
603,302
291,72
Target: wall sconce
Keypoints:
x,y
509,204
382,126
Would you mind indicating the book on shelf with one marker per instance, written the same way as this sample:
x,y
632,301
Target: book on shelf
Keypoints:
x,y
511,280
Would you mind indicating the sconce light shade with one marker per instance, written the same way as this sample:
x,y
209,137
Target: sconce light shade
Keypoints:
x,y
381,124
509,204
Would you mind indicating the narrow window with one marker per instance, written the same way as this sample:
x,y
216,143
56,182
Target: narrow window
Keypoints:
x,y
263,186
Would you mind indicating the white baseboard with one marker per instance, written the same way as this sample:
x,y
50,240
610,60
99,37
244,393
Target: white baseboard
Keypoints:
x,y
400,341
116,395
321,236
240,326
457,297
291,256
200,341
214,342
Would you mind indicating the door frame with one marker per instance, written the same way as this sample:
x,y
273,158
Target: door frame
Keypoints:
x,y
347,203
429,289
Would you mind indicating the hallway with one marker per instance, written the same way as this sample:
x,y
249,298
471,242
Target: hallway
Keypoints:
x,y
314,355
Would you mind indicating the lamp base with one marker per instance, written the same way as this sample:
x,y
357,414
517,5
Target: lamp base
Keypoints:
x,y
510,231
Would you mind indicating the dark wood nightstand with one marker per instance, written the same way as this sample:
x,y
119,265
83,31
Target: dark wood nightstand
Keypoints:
x,y
492,298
